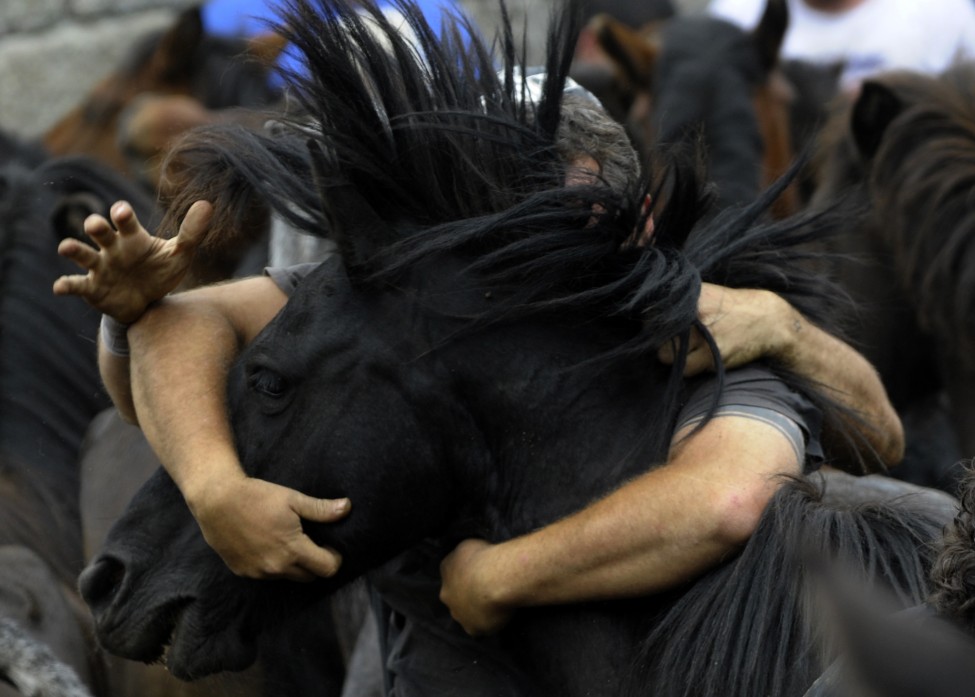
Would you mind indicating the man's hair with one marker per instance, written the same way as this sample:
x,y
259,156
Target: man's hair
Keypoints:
x,y
586,128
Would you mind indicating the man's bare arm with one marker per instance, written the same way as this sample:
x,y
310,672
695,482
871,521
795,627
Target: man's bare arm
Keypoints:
x,y
175,384
657,531
182,349
749,324
126,271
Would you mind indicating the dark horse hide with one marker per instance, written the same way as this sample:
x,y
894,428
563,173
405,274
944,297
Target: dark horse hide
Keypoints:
x,y
301,658
479,360
49,389
702,82
905,151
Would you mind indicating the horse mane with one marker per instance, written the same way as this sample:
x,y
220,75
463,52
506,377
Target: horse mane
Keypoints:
x,y
445,152
727,629
921,181
406,149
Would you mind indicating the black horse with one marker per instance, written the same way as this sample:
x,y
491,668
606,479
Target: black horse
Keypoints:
x,y
478,362
704,84
49,391
904,153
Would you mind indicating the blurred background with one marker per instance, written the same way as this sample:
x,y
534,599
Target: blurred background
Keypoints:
x,y
53,51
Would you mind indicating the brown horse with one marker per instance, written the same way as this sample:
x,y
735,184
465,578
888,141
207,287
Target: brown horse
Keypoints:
x,y
691,79
214,72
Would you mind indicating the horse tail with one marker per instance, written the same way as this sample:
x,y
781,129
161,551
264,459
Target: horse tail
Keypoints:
x,y
746,628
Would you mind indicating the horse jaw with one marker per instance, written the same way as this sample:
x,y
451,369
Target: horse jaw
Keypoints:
x,y
179,601
175,628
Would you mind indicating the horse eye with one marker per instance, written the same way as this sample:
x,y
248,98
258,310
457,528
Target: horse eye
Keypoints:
x,y
268,383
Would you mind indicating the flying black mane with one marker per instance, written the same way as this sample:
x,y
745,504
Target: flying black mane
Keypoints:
x,y
407,148
427,146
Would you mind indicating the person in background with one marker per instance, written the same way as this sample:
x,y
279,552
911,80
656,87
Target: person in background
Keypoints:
x,y
868,36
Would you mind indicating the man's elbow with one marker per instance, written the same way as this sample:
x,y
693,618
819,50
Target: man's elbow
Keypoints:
x,y
740,510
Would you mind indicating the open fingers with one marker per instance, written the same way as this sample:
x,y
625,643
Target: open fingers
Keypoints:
x,y
699,360
125,219
100,231
78,252
195,225
70,285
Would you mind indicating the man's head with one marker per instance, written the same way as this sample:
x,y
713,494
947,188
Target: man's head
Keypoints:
x,y
595,144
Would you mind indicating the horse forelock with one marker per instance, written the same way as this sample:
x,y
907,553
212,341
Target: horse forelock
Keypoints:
x,y
435,135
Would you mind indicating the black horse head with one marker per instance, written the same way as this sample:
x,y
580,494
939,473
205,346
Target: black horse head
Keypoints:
x,y
487,330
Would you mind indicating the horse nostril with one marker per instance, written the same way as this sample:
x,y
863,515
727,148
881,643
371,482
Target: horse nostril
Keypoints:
x,y
99,582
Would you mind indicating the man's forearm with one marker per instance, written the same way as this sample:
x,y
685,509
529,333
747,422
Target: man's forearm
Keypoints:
x,y
660,530
180,357
749,324
848,378
114,370
663,528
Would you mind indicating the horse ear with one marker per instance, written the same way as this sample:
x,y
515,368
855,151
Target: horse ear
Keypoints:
x,y
634,52
875,108
770,33
173,58
350,218
267,47
69,212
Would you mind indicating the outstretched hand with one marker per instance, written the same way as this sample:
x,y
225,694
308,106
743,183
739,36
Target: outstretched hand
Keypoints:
x,y
255,527
130,269
746,324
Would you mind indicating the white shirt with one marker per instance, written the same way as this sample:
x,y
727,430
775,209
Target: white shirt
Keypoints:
x,y
877,35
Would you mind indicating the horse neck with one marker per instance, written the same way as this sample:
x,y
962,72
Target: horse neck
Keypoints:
x,y
557,433
49,383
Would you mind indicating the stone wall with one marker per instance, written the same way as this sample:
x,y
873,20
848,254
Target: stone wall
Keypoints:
x,y
53,51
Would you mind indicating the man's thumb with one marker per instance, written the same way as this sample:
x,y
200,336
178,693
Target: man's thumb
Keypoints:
x,y
195,225
321,510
